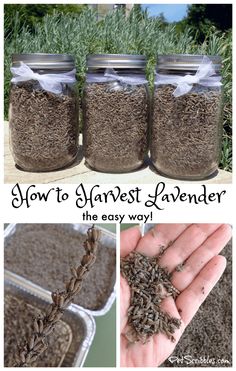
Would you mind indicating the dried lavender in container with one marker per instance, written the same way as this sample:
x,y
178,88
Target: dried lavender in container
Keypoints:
x,y
116,112
37,252
187,126
43,111
18,314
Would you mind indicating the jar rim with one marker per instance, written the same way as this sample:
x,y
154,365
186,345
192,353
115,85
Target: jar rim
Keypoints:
x,y
126,61
188,62
45,61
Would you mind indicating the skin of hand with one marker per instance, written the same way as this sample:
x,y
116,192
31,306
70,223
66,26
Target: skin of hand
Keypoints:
x,y
198,246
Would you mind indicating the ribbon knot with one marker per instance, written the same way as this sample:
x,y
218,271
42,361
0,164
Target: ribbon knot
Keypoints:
x,y
190,79
184,84
49,82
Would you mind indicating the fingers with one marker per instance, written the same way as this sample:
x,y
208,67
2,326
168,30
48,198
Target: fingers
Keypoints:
x,y
194,295
129,240
211,247
186,244
124,302
160,235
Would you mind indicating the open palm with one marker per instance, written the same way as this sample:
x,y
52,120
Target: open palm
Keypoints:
x,y
198,246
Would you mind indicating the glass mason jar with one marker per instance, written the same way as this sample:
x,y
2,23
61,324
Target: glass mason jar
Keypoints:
x,y
43,114
116,112
187,116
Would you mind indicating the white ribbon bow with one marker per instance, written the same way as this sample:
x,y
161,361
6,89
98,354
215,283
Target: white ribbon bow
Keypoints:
x,y
110,75
49,82
204,76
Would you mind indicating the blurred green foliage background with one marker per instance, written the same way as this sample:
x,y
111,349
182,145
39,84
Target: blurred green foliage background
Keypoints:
x,y
77,30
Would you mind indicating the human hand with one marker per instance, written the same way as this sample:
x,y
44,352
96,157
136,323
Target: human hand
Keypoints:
x,y
198,246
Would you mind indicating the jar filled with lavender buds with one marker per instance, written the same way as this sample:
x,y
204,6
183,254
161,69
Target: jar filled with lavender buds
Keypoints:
x,y
186,123
43,111
116,112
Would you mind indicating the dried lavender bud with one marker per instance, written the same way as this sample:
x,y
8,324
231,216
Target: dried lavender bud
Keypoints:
x,y
43,127
88,247
40,322
54,296
71,284
78,285
36,326
85,260
54,310
186,132
31,342
22,357
61,301
149,284
88,260
81,271
115,126
180,267
96,235
73,271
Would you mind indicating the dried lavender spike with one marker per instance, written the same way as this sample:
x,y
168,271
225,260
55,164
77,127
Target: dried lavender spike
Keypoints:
x,y
47,323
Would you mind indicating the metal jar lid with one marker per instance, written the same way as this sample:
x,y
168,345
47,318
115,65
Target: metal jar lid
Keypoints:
x,y
45,61
185,62
116,61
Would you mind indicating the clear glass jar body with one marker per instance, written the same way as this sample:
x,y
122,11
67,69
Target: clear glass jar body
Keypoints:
x,y
186,131
43,126
115,123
